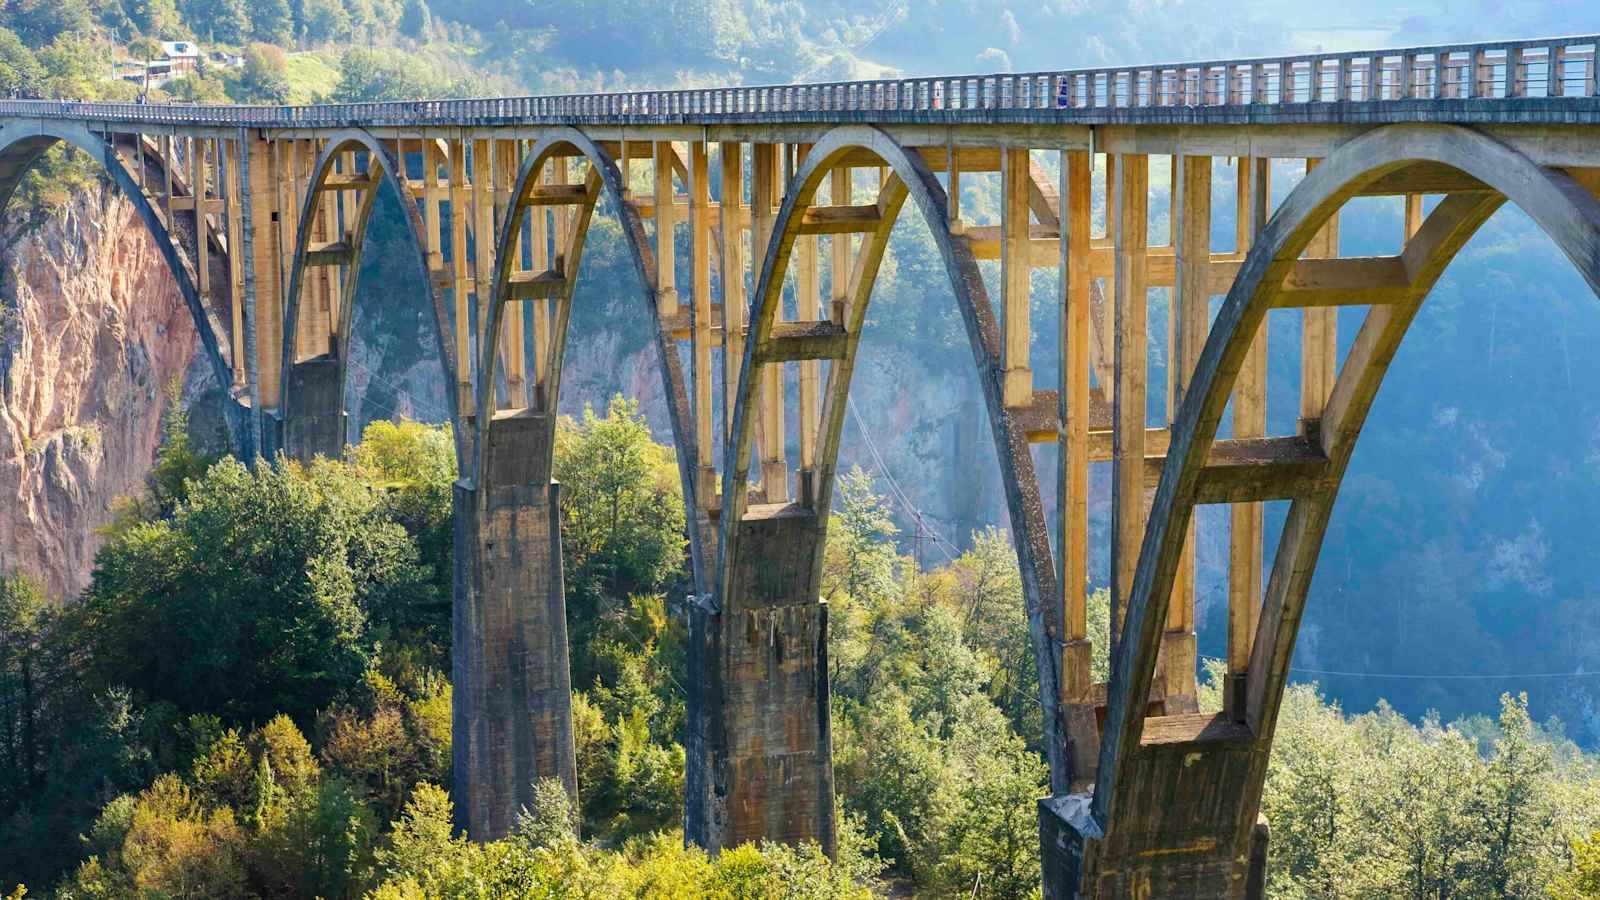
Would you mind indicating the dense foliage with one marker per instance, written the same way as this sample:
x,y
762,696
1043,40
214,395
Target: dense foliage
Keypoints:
x,y
250,701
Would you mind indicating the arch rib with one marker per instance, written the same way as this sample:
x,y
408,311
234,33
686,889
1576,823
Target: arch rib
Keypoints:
x,y
21,145
1561,207
741,525
391,172
511,658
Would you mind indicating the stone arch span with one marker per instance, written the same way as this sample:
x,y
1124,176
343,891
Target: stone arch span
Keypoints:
x,y
1226,757
23,142
311,417
753,534
510,633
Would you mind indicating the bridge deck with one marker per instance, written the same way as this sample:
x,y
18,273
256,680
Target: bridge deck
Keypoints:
x,y
1544,81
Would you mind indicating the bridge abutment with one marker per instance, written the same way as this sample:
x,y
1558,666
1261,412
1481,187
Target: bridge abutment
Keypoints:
x,y
513,684
760,744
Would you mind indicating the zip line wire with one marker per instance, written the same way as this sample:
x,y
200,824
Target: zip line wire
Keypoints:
x,y
1417,676
945,547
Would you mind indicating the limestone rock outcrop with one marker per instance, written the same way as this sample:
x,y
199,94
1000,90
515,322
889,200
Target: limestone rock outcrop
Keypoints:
x,y
92,329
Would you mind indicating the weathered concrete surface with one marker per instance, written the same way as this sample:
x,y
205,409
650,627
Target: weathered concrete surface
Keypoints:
x,y
1185,798
762,759
513,694
316,426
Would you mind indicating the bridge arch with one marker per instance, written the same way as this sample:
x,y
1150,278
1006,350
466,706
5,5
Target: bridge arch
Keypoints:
x,y
23,142
510,594
746,538
311,392
559,284
1477,174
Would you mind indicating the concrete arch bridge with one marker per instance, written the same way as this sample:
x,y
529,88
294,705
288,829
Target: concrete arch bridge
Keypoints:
x,y
791,192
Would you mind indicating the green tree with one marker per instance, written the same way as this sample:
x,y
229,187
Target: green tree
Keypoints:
x,y
1513,809
271,21
326,20
39,22
1582,880
991,848
20,72
23,617
264,76
227,21
622,519
416,20
414,467
248,601
157,18
552,820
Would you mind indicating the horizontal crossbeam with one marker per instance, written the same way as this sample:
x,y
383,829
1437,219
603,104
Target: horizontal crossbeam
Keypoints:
x,y
1353,281
556,195
330,253
1257,469
538,285
793,341
841,219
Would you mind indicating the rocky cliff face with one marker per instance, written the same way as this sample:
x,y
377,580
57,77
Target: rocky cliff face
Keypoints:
x,y
92,329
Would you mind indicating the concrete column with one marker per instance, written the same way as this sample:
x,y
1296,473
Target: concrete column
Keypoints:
x,y
759,743
314,423
512,680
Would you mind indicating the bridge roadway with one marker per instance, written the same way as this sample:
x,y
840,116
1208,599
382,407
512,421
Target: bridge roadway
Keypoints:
x,y
791,191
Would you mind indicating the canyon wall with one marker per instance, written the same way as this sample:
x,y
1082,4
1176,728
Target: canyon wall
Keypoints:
x,y
92,330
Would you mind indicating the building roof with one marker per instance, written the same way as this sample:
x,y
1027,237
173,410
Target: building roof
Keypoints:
x,y
180,49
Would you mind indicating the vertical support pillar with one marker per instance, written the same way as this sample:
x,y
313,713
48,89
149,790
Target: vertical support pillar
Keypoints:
x,y
1015,275
512,703
1318,334
1191,200
700,276
169,159
483,236
1413,219
266,216
1245,550
511,334
1077,677
953,197
310,337
539,236
232,192
840,251
461,280
433,221
332,276
808,308
197,192
732,277
288,205
765,195
1132,308
666,261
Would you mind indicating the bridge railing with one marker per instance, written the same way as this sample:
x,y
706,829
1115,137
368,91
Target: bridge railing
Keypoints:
x,y
1541,68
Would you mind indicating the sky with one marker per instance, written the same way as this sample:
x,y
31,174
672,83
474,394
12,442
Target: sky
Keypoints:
x,y
925,37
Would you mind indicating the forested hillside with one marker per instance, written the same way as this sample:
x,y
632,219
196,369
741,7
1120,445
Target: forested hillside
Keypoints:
x,y
252,695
